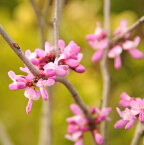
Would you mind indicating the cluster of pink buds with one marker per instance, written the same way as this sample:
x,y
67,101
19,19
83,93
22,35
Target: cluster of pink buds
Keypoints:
x,y
98,41
50,67
79,124
134,110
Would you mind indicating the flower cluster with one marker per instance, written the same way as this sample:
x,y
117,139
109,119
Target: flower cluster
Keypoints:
x,y
50,67
78,124
134,110
99,42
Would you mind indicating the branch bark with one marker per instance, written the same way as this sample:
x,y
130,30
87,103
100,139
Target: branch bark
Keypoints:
x,y
139,133
56,22
79,101
130,29
104,69
4,137
16,48
41,22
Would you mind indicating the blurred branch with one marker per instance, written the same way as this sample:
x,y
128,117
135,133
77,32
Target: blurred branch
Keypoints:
x,y
104,69
139,133
79,101
46,121
41,22
4,138
130,29
56,23
16,48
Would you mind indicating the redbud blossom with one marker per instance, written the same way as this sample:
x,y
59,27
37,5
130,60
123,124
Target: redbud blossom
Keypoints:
x,y
49,66
134,110
79,124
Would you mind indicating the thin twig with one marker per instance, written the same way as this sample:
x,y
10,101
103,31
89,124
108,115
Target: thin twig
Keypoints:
x,y
41,22
56,22
16,48
130,29
104,69
139,133
4,137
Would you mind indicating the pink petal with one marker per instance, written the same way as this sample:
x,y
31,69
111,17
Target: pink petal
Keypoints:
x,y
79,142
13,87
61,45
32,94
98,139
29,106
50,72
62,70
124,103
72,63
76,109
125,96
130,124
141,116
120,124
44,93
73,47
135,53
12,75
80,69
97,55
117,62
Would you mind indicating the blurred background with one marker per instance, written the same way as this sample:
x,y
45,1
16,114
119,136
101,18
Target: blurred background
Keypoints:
x,y
78,19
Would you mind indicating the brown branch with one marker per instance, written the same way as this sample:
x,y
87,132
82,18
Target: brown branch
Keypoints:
x,y
139,133
130,29
16,48
104,69
41,22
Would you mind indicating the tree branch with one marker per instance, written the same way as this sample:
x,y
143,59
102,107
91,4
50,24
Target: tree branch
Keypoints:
x,y
41,22
56,23
139,133
16,48
130,29
4,138
79,101
104,69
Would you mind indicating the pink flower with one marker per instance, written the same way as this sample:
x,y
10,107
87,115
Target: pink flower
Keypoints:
x,y
100,46
134,111
32,95
79,124
128,119
52,69
123,27
18,81
125,100
98,137
71,56
115,53
98,42
42,84
137,106
130,46
98,35
32,57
